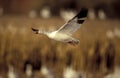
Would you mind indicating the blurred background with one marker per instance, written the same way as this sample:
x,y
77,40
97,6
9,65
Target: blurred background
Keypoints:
x,y
24,54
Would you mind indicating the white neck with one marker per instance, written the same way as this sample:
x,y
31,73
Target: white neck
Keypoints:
x,y
43,32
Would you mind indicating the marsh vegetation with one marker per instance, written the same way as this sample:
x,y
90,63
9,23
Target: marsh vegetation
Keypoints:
x,y
98,52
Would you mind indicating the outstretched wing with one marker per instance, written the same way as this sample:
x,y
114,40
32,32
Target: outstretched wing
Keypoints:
x,y
74,24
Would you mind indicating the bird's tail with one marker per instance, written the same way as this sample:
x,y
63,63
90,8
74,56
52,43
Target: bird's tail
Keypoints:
x,y
73,42
35,30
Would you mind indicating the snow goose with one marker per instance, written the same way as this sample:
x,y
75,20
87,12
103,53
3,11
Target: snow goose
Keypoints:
x,y
64,33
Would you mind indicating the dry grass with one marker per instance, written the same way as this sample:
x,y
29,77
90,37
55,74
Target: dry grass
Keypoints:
x,y
18,44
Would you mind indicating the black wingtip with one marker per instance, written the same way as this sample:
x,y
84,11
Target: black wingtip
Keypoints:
x,y
83,13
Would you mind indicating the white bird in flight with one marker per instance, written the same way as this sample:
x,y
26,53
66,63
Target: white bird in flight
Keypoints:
x,y
65,32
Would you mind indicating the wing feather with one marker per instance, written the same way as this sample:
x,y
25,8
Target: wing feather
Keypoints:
x,y
74,24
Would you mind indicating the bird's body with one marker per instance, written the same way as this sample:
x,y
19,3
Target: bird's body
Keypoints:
x,y
58,36
64,33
